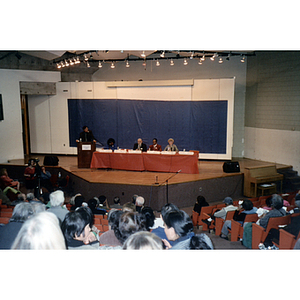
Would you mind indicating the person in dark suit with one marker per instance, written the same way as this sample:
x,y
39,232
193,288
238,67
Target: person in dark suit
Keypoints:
x,y
140,145
86,135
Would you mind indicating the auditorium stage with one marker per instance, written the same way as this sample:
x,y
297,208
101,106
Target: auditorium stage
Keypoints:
x,y
182,189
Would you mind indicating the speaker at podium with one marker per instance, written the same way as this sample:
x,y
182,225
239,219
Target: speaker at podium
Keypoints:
x,y
85,152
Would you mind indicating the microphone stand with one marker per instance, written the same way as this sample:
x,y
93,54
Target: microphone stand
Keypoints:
x,y
167,184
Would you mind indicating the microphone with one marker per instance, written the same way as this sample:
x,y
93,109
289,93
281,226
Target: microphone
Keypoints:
x,y
178,171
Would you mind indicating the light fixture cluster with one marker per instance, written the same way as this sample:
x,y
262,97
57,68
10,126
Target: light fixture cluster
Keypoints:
x,y
156,57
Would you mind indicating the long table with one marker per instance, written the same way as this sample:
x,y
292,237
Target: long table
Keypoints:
x,y
146,162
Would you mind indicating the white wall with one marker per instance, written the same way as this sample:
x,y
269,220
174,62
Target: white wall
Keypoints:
x,y
11,146
49,127
278,146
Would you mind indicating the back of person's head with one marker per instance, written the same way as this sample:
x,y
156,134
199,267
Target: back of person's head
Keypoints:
x,y
129,223
92,203
72,225
168,207
79,199
200,242
180,221
117,200
200,199
84,127
87,215
3,171
30,196
247,204
102,199
57,198
149,215
22,212
139,201
41,232
134,198
143,240
21,197
113,216
38,207
276,201
129,206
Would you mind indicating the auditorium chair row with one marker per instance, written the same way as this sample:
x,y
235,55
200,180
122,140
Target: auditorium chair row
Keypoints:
x,y
259,234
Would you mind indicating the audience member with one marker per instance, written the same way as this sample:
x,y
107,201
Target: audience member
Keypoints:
x,y
8,233
41,232
139,203
38,207
45,179
78,200
149,215
128,207
179,227
93,205
268,206
29,175
143,241
201,201
103,203
6,181
116,204
155,146
57,200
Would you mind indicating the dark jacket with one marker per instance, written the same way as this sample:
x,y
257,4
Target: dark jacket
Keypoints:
x,y
144,146
86,136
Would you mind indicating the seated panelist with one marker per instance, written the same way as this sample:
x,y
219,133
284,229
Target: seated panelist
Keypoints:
x,y
155,146
140,145
171,146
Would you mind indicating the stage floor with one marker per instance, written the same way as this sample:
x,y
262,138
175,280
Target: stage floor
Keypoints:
x,y
207,170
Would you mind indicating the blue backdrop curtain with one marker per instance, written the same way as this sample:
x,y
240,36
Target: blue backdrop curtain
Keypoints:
x,y
194,125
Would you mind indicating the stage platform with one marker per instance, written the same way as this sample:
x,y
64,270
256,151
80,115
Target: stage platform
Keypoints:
x,y
182,189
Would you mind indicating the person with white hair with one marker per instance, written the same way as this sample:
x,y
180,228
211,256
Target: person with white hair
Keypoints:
x,y
57,200
139,203
41,232
143,240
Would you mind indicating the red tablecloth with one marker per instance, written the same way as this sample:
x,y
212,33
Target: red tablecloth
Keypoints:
x,y
146,162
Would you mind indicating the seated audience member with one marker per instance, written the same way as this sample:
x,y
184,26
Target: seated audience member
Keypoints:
x,y
78,200
29,175
116,204
171,146
246,208
160,230
57,200
76,229
4,198
276,211
179,228
134,198
139,203
149,215
297,204
268,203
201,201
200,242
45,179
6,181
93,205
129,223
223,212
155,146
32,199
40,232
261,212
128,207
143,241
38,207
103,203
108,238
140,145
21,213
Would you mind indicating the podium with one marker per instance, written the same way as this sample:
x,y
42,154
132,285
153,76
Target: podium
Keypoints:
x,y
85,152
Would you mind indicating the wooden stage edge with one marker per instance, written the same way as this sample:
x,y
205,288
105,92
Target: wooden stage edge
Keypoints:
x,y
182,189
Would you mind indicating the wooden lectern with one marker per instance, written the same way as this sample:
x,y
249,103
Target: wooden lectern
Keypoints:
x,y
85,152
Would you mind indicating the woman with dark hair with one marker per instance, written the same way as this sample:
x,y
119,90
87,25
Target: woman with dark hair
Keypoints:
x,y
149,215
29,174
78,200
245,208
129,223
201,201
179,228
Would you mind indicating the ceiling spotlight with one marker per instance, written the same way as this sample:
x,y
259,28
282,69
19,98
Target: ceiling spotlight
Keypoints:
x,y
242,58
127,64
220,60
185,62
66,63
71,62
112,66
143,54
192,55
162,54
99,65
87,64
157,63
62,64
144,63
200,62
85,57
203,58
172,62
58,65
228,56
214,56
